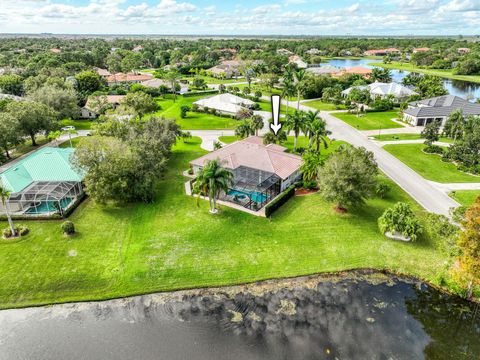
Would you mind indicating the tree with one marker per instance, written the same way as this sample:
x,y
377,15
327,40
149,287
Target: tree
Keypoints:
x,y
288,90
4,196
299,76
431,133
381,75
183,111
312,162
211,180
295,122
430,86
88,82
62,100
140,103
455,125
269,80
468,271
257,123
9,134
249,75
349,177
172,77
271,138
245,129
32,117
400,219
317,131
11,84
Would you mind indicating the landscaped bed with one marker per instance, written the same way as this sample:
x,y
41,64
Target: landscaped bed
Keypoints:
x,y
173,244
430,166
371,120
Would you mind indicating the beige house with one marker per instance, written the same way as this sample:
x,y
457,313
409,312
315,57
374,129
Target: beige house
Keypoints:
x,y
130,78
227,69
95,104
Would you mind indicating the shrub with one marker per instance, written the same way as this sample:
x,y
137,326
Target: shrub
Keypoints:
x,y
21,230
68,228
309,184
444,233
458,214
258,94
382,190
183,111
401,219
434,149
279,201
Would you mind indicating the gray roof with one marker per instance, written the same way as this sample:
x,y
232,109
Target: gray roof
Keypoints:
x,y
442,106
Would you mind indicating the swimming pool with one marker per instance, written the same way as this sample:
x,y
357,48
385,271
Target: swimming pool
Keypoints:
x,y
253,195
48,206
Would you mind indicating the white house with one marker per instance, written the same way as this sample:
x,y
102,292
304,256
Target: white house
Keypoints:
x,y
384,90
297,60
225,103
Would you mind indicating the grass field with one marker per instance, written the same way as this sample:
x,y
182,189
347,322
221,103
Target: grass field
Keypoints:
x,y
193,121
396,137
430,166
465,197
371,120
173,244
436,72
74,143
323,106
79,124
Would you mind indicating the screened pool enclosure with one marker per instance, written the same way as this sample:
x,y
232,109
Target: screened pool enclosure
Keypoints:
x,y
252,188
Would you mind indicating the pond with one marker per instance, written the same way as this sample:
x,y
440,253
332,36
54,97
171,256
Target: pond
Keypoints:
x,y
454,87
359,315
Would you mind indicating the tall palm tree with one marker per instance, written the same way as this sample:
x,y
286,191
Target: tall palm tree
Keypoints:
x,y
245,129
299,75
256,123
318,134
172,77
295,122
4,195
211,180
288,90
310,117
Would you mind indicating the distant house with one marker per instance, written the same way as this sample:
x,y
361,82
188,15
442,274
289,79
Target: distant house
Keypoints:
x,y
423,112
384,90
227,69
284,52
225,103
94,105
323,70
382,52
138,48
358,70
313,51
56,50
463,50
102,72
156,83
130,78
298,61
421,49
260,172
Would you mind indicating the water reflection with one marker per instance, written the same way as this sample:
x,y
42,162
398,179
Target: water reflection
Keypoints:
x,y
359,317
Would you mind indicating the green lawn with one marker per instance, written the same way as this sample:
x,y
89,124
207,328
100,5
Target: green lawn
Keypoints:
x,y
371,120
436,72
79,124
75,141
173,244
465,197
395,137
214,80
193,121
323,106
430,166
27,146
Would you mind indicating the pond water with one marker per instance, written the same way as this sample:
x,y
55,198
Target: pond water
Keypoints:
x,y
358,316
460,88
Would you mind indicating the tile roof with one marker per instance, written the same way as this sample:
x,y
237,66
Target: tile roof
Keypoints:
x,y
442,106
46,164
252,153
122,77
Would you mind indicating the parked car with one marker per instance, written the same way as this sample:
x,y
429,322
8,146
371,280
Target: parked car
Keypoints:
x,y
68,128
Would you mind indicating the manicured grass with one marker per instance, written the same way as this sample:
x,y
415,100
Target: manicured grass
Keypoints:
x,y
371,120
214,80
194,120
79,124
436,72
75,142
395,137
173,244
27,146
430,166
323,106
465,197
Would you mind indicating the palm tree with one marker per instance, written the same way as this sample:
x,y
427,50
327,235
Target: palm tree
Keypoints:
x,y
310,117
4,196
299,77
287,90
318,134
271,138
295,122
245,129
312,162
257,123
211,180
172,77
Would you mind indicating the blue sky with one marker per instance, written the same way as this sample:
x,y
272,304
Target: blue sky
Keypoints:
x,y
263,17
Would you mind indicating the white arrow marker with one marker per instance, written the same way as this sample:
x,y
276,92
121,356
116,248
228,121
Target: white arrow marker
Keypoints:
x,y
276,125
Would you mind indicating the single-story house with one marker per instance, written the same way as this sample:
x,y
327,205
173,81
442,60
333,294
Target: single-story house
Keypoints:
x,y
226,69
423,112
102,72
260,172
94,104
463,50
138,48
384,90
421,49
284,52
323,70
225,103
43,183
358,70
156,83
298,61
130,78
381,52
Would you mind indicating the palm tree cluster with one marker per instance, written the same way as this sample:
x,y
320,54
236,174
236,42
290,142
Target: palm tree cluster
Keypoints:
x,y
311,125
249,127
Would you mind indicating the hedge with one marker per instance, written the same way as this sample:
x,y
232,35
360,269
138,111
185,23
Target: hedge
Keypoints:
x,y
196,93
281,199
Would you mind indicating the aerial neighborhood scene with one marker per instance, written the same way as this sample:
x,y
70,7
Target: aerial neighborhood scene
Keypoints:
x,y
205,180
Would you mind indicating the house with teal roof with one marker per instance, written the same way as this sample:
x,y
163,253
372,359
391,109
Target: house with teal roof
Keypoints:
x,y
43,183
